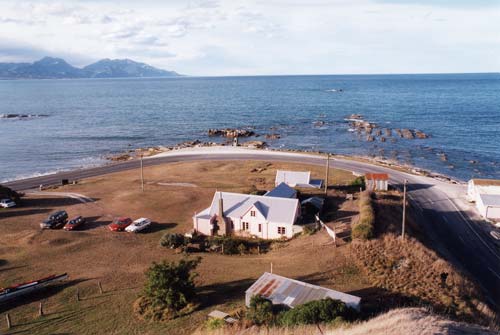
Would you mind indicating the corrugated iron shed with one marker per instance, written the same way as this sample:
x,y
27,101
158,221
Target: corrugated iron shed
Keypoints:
x,y
290,292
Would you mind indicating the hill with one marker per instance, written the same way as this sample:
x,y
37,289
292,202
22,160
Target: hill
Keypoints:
x,y
416,321
57,68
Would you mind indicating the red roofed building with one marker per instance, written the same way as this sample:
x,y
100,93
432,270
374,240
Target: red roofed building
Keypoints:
x,y
377,181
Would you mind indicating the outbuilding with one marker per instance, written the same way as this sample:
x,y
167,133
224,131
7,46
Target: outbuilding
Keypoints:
x,y
377,181
290,292
297,179
485,193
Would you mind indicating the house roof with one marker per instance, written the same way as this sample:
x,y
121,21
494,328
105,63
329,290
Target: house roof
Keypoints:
x,y
280,210
292,178
486,182
290,292
315,201
282,191
492,200
377,176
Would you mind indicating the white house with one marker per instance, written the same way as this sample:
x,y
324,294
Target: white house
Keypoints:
x,y
266,217
285,291
377,181
297,179
486,194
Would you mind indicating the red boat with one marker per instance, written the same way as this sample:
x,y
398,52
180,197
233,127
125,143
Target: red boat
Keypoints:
x,y
27,287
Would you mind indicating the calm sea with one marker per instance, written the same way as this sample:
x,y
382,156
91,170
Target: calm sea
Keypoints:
x,y
91,118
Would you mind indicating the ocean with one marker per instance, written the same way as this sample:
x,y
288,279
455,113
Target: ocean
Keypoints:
x,y
77,123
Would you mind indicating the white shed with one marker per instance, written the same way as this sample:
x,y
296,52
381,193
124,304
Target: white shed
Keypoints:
x,y
486,194
377,181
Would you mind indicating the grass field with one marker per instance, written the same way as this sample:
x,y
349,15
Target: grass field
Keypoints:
x,y
118,260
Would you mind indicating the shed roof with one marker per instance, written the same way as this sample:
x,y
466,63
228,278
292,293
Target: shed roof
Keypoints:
x,y
291,292
282,191
377,176
280,210
292,178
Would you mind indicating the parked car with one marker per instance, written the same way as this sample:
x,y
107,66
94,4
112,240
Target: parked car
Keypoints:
x,y
74,223
55,220
6,203
138,225
119,224
495,235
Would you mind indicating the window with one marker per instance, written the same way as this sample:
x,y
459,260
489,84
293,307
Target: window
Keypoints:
x,y
260,228
245,225
281,230
252,213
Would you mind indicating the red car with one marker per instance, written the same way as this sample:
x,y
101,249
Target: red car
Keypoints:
x,y
74,223
119,224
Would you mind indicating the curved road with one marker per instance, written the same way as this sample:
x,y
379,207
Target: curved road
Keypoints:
x,y
452,228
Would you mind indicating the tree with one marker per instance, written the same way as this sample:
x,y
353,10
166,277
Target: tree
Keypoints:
x,y
260,310
317,311
171,285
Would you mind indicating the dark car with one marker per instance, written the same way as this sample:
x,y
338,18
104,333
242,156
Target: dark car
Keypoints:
x,y
74,223
55,220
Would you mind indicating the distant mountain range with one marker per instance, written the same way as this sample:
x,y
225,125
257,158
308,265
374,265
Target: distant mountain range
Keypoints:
x,y
57,68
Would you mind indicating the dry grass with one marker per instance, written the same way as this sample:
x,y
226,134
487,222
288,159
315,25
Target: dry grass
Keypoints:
x,y
119,260
416,321
408,268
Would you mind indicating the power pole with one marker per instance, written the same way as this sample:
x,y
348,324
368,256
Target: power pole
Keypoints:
x,y
404,209
142,175
327,171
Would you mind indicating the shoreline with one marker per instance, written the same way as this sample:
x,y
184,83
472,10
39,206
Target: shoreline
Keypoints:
x,y
213,148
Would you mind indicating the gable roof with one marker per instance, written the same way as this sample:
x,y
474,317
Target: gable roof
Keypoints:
x,y
490,200
377,176
282,191
291,292
280,210
292,178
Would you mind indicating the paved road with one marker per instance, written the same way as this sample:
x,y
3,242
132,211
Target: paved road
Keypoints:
x,y
452,231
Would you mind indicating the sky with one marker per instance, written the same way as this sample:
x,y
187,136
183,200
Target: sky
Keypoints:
x,y
273,37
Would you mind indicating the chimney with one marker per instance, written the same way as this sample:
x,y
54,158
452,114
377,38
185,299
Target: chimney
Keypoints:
x,y
221,206
221,221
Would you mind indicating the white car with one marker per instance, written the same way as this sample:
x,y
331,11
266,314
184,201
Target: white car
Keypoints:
x,y
138,225
6,203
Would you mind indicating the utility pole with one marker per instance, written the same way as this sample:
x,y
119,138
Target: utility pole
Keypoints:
x,y
404,209
142,175
327,171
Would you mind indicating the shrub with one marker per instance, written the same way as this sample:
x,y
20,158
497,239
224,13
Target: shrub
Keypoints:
x,y
173,240
318,311
362,231
171,285
214,324
260,310
358,182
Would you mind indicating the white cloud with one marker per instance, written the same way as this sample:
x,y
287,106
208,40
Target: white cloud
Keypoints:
x,y
227,37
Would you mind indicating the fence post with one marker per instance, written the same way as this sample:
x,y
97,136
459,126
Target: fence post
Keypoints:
x,y
100,287
40,309
9,324
77,294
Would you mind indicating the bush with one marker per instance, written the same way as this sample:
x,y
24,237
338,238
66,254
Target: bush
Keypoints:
x,y
260,311
358,182
214,324
364,229
171,285
173,240
318,311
